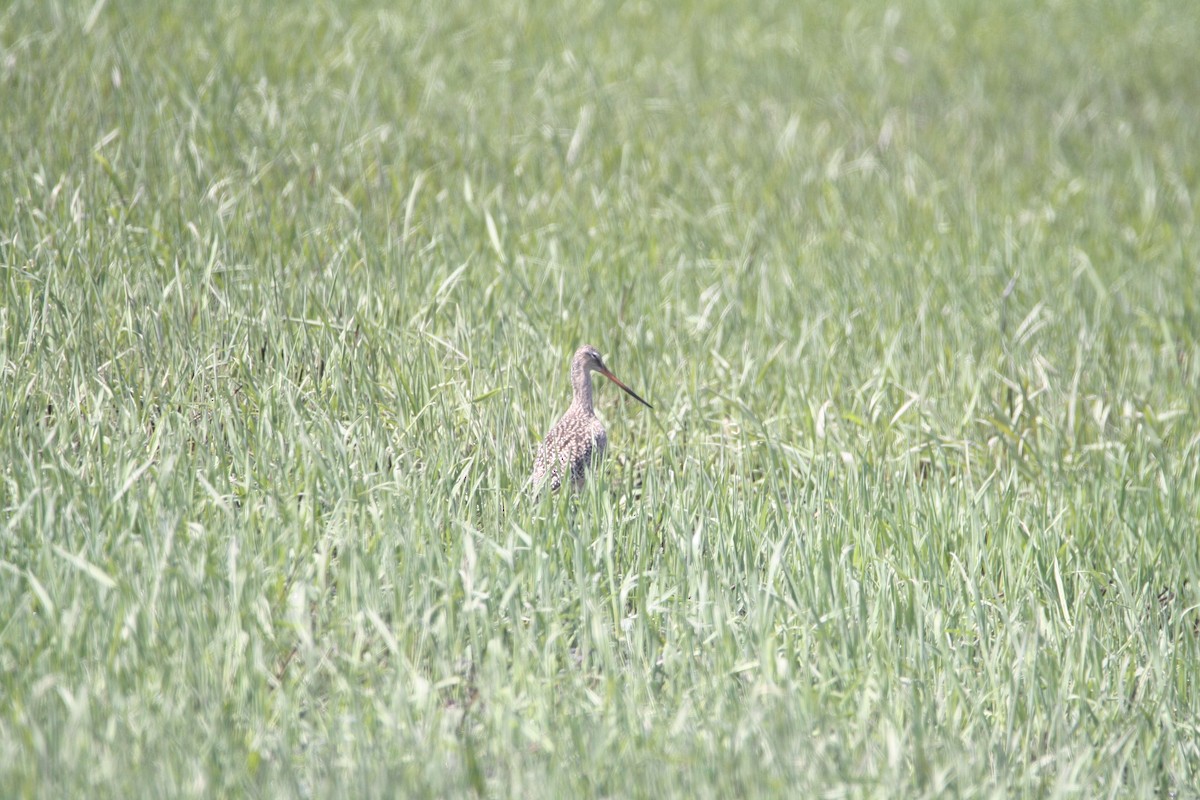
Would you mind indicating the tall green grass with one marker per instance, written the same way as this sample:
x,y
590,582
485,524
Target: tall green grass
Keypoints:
x,y
288,296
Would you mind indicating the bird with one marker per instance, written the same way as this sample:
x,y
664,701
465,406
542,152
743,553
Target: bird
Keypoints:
x,y
577,441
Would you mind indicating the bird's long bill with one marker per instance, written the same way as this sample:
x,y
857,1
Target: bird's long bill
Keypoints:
x,y
631,392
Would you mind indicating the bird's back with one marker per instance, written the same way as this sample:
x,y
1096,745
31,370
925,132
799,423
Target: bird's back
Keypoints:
x,y
574,444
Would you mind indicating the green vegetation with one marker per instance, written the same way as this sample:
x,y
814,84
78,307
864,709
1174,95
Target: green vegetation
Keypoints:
x,y
288,296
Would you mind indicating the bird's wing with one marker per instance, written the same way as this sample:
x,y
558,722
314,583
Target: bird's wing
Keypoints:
x,y
547,464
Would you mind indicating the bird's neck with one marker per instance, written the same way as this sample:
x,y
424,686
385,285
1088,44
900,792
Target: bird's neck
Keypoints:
x,y
581,382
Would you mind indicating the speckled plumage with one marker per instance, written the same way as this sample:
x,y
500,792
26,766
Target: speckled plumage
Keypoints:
x,y
577,441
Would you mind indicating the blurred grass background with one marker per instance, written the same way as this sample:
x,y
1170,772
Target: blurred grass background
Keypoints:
x,y
289,292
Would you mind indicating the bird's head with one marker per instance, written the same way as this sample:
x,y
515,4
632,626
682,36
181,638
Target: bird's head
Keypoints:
x,y
588,358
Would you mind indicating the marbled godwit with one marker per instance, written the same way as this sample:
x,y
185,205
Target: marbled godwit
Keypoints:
x,y
577,440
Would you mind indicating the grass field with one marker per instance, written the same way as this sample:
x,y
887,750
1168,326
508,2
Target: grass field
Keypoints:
x,y
289,293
